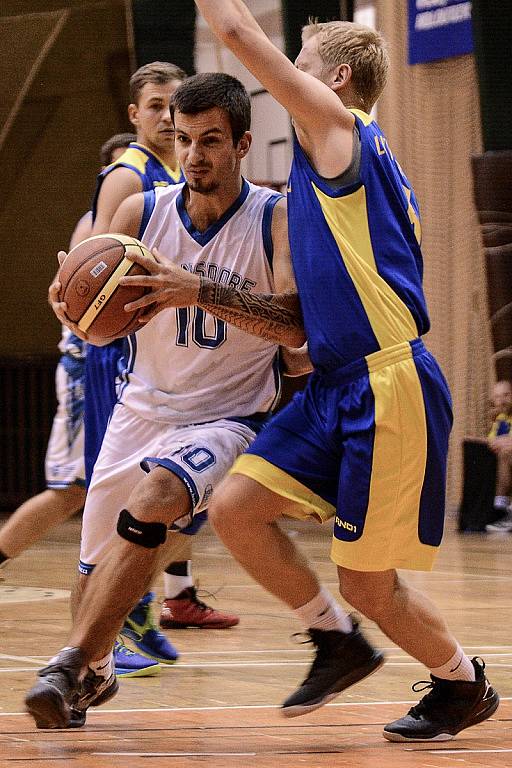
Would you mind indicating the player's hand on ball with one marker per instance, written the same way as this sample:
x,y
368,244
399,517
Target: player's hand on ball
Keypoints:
x,y
170,285
59,307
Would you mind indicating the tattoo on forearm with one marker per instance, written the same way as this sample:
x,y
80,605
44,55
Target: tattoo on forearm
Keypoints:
x,y
273,317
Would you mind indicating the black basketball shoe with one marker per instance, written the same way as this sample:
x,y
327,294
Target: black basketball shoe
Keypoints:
x,y
49,700
448,707
341,660
93,691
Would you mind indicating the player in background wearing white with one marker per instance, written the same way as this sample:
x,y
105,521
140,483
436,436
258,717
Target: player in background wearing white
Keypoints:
x,y
149,162
64,463
197,390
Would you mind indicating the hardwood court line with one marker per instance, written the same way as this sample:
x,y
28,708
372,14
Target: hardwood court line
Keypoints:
x,y
463,751
32,659
263,664
175,754
390,652
487,577
234,707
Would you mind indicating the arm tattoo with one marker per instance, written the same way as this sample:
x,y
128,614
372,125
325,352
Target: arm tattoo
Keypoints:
x,y
274,317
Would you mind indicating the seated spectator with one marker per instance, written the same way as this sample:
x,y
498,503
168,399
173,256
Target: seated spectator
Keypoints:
x,y
500,442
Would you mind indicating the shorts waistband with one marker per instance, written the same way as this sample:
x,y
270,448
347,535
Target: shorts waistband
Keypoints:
x,y
377,360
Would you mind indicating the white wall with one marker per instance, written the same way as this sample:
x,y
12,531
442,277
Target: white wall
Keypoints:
x,y
270,155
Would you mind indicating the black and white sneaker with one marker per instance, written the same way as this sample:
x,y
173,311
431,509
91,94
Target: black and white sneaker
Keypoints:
x,y
341,660
49,701
93,691
500,525
448,707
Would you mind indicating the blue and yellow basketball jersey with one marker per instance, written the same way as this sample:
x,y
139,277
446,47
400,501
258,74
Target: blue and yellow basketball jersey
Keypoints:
x,y
356,255
502,425
151,170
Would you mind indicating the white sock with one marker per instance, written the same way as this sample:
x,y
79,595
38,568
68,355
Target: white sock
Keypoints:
x,y
501,502
459,667
173,585
103,667
323,612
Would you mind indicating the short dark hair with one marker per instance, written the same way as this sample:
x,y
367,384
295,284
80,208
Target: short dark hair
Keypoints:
x,y
156,72
215,89
115,142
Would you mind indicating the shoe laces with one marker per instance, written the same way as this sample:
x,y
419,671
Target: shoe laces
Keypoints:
x,y
148,623
120,646
315,637
429,700
199,603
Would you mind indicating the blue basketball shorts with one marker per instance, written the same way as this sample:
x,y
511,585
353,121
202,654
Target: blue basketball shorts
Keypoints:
x,y
366,445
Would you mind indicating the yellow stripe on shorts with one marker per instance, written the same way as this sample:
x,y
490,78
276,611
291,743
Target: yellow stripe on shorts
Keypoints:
x,y
390,537
273,478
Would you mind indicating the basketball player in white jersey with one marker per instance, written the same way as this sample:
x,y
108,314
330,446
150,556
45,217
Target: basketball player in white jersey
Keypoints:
x,y
196,390
64,462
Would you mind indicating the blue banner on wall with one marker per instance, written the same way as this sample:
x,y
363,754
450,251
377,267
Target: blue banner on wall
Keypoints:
x,y
439,29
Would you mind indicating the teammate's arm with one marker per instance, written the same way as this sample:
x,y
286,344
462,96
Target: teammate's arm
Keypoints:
x,y
82,230
324,126
116,187
127,218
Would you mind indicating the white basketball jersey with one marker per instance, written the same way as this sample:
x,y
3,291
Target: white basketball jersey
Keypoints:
x,y
186,366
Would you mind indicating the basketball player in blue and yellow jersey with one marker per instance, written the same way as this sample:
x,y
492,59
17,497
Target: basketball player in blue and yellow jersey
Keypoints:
x,y
148,162
366,442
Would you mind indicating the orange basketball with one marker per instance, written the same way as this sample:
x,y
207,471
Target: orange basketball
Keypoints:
x,y
90,287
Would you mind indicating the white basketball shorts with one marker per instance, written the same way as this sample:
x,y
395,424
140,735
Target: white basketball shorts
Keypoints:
x,y
64,462
199,454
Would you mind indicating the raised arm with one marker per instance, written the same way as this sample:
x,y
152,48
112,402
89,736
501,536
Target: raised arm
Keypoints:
x,y
319,116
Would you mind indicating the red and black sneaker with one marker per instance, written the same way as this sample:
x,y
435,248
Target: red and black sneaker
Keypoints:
x,y
185,610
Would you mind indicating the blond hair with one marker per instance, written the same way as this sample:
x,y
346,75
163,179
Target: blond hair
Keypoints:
x,y
363,48
156,72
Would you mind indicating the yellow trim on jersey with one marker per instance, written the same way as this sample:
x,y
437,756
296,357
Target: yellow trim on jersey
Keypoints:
x,y
347,218
365,118
390,536
413,216
280,482
133,156
174,173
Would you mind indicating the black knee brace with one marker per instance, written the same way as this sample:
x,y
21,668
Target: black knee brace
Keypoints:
x,y
149,535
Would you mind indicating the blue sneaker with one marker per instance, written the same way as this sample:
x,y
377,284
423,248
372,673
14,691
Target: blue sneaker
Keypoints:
x,y
131,664
140,627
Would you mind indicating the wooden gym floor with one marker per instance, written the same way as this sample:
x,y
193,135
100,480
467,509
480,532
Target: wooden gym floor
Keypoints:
x,y
218,706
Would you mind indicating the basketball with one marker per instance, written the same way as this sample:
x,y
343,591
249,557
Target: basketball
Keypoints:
x,y
89,278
